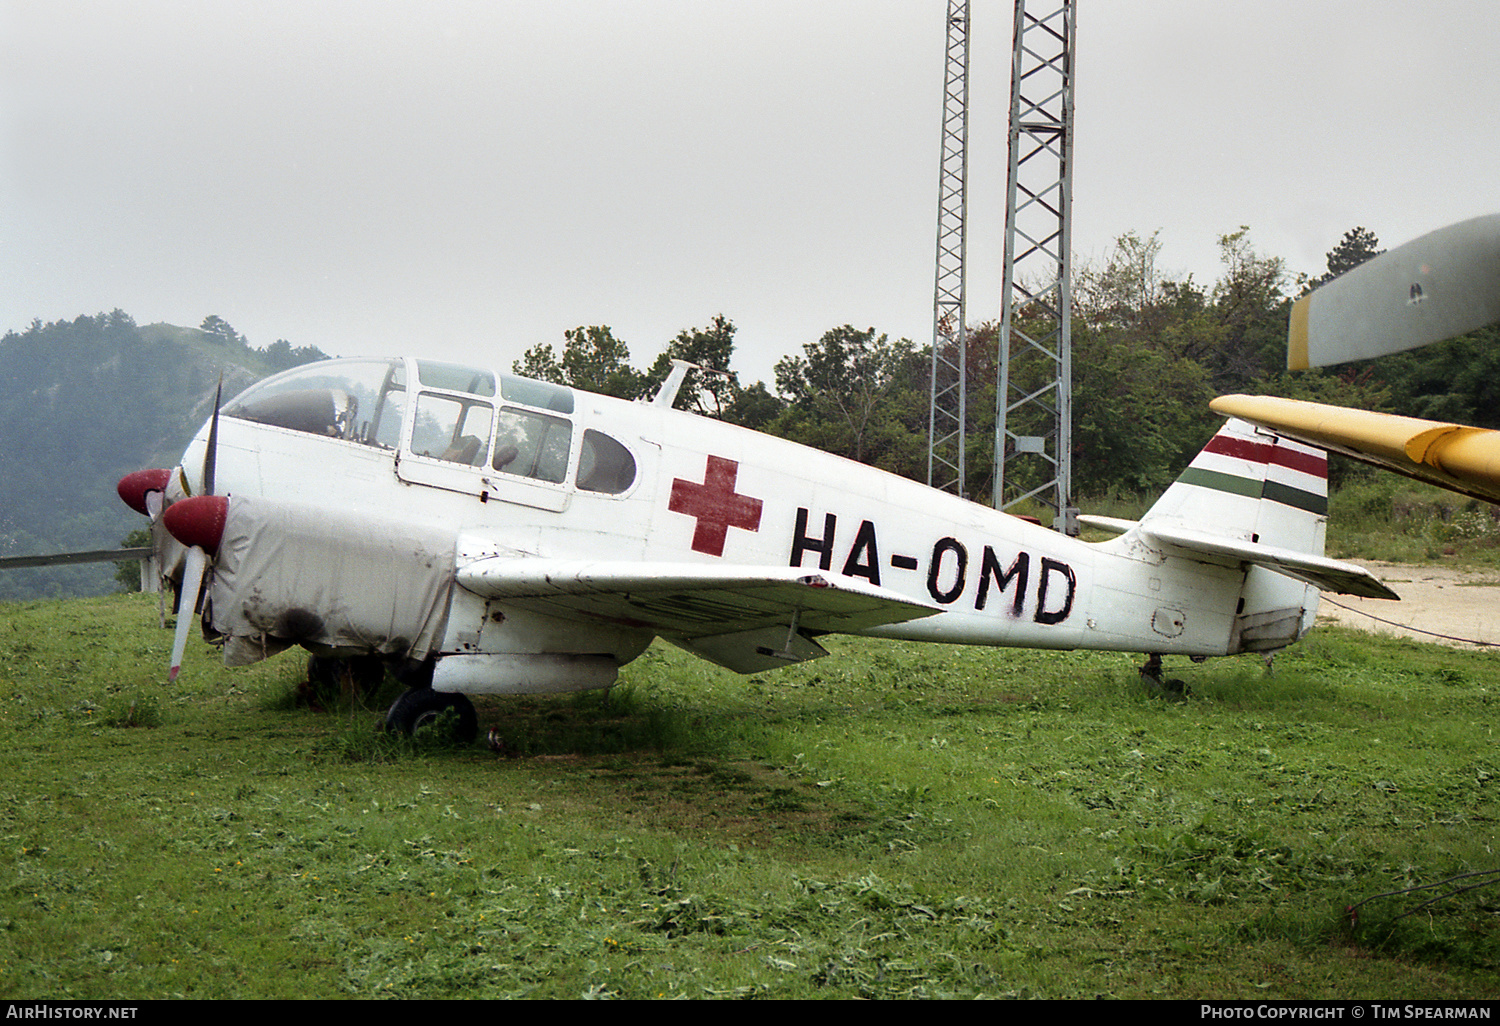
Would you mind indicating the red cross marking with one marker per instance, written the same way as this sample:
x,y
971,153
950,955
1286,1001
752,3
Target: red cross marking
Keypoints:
x,y
716,505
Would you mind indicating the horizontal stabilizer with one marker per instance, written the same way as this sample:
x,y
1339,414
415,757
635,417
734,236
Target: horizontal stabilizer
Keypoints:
x,y
1319,571
1462,459
1113,525
1444,284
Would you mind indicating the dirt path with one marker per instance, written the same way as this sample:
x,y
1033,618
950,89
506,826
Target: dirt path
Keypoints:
x,y
1438,604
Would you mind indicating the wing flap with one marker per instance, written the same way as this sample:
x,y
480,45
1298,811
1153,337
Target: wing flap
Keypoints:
x,y
753,651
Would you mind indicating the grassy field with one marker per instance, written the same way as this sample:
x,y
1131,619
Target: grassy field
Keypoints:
x,y
895,821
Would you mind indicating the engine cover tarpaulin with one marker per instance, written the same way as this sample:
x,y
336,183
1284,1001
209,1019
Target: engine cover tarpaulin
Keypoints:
x,y
342,582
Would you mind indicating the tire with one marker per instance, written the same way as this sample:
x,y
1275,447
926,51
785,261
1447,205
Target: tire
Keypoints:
x,y
419,708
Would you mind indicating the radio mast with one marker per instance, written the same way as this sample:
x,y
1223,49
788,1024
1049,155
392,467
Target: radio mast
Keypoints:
x,y
948,420
1033,395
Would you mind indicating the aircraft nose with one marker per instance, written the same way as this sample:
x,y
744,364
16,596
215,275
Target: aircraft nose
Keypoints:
x,y
133,488
198,522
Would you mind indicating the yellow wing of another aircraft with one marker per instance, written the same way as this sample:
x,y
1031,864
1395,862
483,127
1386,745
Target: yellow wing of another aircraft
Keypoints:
x,y
1462,459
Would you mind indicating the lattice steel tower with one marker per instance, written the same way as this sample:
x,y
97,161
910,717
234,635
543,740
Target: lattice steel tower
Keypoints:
x,y
1033,396
948,420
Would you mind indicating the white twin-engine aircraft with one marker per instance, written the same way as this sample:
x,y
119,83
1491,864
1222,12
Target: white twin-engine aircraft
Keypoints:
x,y
487,534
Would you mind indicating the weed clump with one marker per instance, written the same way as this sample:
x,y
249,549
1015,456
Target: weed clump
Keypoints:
x,y
135,711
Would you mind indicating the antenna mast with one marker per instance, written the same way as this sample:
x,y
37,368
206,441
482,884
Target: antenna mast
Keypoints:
x,y
1033,395
948,419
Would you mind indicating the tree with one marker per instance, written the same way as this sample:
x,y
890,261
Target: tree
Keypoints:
x,y
213,324
1250,307
1358,245
1140,411
754,407
1126,288
128,572
1456,380
592,360
842,380
282,355
709,394
540,363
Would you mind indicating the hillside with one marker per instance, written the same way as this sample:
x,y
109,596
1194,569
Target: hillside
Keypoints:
x,y
87,401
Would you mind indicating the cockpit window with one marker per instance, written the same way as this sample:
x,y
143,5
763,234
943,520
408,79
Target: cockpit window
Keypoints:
x,y
448,416
532,445
604,465
541,394
456,377
334,399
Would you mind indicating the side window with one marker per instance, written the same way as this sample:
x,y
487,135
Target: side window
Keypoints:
x,y
447,428
533,445
604,465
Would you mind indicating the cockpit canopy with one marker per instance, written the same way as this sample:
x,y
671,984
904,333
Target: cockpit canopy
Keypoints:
x,y
444,412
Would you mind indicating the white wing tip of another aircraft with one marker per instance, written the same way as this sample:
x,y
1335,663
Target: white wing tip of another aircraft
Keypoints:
x,y
1433,288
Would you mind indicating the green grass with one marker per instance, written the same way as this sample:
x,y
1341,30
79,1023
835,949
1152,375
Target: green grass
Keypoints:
x,y
895,821
1389,518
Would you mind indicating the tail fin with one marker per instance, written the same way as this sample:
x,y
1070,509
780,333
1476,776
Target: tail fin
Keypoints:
x,y
1261,500
1255,500
1249,485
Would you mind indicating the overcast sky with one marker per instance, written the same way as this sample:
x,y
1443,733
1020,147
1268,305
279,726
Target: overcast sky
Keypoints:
x,y
465,179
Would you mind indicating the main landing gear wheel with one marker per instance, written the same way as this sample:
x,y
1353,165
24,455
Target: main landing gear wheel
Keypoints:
x,y
422,708
1152,678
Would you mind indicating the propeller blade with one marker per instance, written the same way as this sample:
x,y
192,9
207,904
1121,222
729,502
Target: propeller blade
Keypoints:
x,y
198,524
211,454
192,582
1444,284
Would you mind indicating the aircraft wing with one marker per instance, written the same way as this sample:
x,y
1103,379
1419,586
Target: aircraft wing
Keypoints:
x,y
747,618
1433,288
1462,459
